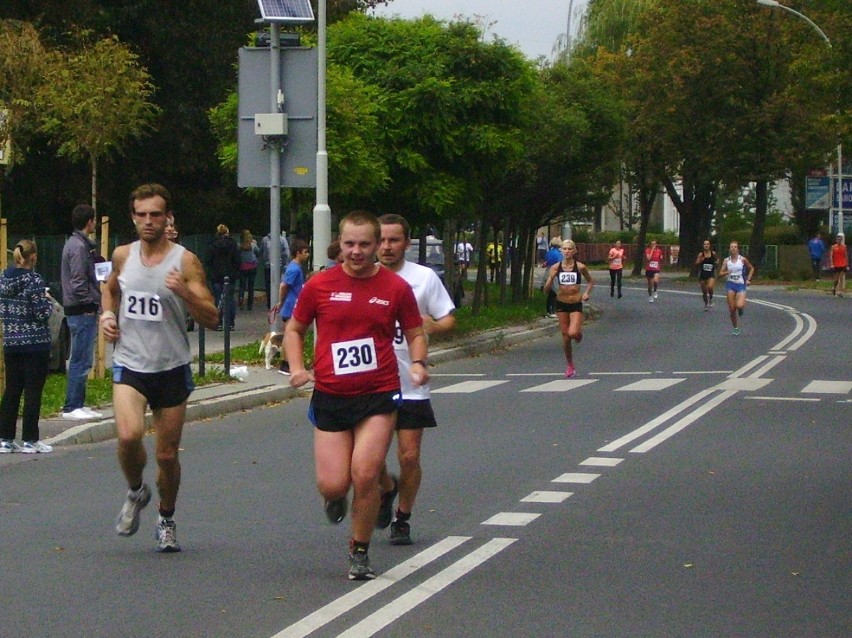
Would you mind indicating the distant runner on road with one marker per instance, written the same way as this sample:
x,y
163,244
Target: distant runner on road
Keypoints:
x,y
565,279
738,270
653,258
707,262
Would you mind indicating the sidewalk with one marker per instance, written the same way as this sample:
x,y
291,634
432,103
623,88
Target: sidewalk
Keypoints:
x,y
263,387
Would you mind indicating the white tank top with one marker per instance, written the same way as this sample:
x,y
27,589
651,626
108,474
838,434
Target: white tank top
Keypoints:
x,y
735,270
152,319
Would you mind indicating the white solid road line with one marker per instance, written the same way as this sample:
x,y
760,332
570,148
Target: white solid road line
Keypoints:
x,y
654,423
338,607
386,615
683,423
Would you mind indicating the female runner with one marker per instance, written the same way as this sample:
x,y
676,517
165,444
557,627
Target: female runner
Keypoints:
x,y
565,279
738,270
707,261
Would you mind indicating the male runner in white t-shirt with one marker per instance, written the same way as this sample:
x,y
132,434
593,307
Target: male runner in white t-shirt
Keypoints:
x,y
415,414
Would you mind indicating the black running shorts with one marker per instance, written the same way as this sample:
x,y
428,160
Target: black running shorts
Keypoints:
x,y
416,415
332,413
162,389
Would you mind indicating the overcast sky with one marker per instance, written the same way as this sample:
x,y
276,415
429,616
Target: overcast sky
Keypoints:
x,y
533,25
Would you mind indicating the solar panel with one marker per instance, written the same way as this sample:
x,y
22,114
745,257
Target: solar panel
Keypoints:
x,y
286,10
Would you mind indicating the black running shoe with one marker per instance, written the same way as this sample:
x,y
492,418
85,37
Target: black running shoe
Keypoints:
x,y
386,507
335,510
400,533
359,565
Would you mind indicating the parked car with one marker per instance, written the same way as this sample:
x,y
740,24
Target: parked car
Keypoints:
x,y
434,255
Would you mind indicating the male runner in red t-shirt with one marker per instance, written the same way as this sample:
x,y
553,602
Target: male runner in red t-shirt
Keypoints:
x,y
357,389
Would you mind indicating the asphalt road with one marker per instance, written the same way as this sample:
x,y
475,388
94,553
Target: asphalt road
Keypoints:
x,y
686,483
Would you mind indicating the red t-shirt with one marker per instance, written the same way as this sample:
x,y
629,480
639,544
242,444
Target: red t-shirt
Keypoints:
x,y
839,258
356,323
655,258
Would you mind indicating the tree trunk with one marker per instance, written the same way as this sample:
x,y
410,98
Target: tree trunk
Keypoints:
x,y
94,183
647,196
757,247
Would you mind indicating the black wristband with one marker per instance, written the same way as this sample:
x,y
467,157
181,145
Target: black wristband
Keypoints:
x,y
422,362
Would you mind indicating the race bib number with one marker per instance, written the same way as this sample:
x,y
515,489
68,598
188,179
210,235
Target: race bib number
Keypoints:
x,y
735,278
399,338
616,262
354,357
707,267
568,279
653,265
142,306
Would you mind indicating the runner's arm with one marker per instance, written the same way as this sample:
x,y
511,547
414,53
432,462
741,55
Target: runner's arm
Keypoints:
x,y
191,286
294,347
111,296
589,281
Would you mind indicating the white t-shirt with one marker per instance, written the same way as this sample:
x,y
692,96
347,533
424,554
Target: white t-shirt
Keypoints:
x,y
464,251
433,300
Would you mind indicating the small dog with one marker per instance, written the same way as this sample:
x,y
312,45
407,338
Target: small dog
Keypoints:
x,y
270,345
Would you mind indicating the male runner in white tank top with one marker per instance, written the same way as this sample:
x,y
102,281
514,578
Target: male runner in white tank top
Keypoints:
x,y
153,283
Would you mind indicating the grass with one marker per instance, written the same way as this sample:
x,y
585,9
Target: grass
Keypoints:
x,y
99,391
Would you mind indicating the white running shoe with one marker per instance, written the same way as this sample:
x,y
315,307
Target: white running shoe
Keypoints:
x,y
127,522
650,300
92,413
166,536
9,446
655,294
79,414
36,447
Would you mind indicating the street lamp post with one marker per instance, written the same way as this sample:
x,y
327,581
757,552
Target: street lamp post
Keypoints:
x,y
322,211
774,4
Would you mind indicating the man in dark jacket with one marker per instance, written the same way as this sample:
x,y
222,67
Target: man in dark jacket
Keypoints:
x,y
223,260
81,299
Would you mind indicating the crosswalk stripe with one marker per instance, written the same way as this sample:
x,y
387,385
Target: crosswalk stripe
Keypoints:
x,y
514,519
466,387
575,477
562,385
649,385
546,497
828,387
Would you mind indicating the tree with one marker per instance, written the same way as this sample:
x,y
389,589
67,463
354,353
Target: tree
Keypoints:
x,y
23,64
96,100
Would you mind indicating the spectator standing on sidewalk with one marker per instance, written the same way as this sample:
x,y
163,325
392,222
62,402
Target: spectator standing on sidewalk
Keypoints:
x,y
223,260
249,252
25,309
81,298
266,245
816,249
552,257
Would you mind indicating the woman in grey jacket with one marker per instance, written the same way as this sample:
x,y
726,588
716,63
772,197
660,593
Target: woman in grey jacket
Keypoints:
x,y
24,310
